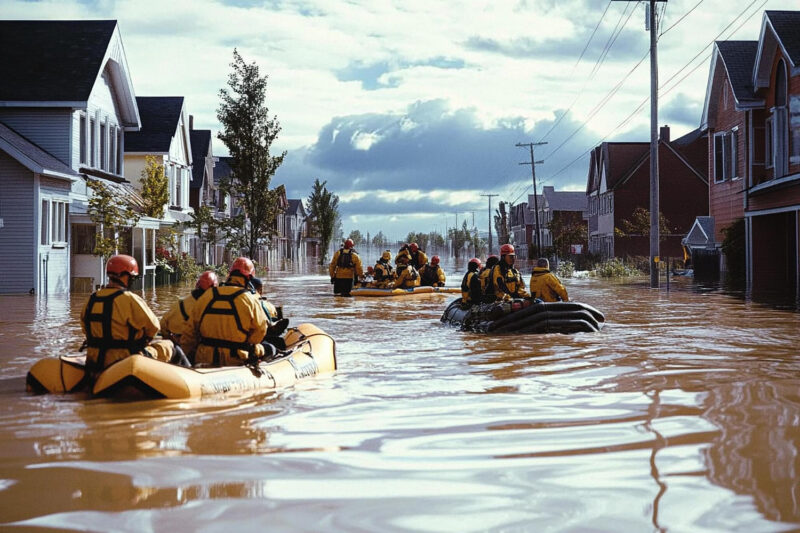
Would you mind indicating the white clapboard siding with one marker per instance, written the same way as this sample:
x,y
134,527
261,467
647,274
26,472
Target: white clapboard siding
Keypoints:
x,y
49,128
17,234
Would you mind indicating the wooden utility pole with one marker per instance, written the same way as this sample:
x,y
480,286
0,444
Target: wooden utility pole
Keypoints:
x,y
533,164
490,222
652,25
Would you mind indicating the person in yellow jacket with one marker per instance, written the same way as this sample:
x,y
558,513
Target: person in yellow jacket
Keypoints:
x,y
485,278
174,322
471,293
431,274
345,268
545,285
383,273
118,323
402,252
417,257
508,282
227,323
407,275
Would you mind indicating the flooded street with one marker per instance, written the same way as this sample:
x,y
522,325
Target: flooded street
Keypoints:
x,y
683,414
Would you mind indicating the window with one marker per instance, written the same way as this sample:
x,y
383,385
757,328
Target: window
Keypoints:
x,y
82,138
178,188
734,154
768,143
721,156
119,151
45,222
780,126
54,223
92,143
112,149
103,150
83,238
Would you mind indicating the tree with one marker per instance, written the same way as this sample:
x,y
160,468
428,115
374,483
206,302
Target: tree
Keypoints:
x,y
639,225
462,237
501,224
109,212
155,188
566,230
248,132
379,240
356,237
323,208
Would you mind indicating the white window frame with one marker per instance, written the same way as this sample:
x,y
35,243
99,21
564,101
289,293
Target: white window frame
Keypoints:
x,y
53,220
721,174
734,154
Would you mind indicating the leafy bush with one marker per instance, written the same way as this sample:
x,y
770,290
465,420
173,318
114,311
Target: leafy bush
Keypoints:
x,y
566,269
614,268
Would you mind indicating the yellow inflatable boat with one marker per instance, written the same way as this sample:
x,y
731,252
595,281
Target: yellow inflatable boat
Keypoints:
x,y
370,291
310,351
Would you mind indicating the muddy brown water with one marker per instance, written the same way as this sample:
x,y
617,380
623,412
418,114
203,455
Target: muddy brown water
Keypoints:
x,y
683,414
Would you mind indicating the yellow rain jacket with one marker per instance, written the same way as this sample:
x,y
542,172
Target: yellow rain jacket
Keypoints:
x,y
345,264
508,282
485,278
226,324
384,274
402,253
117,323
471,288
407,277
417,260
174,321
432,276
545,285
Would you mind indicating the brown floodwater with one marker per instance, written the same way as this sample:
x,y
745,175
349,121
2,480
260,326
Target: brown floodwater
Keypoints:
x,y
683,414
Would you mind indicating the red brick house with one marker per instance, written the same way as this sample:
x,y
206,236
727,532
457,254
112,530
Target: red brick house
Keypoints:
x,y
619,182
752,117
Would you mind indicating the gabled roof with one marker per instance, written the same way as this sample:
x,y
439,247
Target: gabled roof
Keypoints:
x,y
618,158
295,208
222,169
787,25
52,60
160,117
738,57
701,233
780,30
33,157
201,148
565,200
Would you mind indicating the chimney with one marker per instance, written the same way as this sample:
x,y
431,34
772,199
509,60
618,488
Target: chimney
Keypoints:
x,y
191,122
663,133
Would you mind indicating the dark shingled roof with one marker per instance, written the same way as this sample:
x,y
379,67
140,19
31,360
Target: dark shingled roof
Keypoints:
x,y
160,115
222,170
740,58
787,26
201,146
38,155
566,200
620,157
295,207
51,60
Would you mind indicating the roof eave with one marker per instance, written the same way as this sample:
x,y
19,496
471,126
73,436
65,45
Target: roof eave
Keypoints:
x,y
73,104
762,80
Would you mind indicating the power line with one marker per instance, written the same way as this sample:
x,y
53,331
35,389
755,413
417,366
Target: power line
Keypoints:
x,y
613,40
592,35
680,19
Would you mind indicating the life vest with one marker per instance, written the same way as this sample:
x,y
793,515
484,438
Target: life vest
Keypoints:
x,y
509,281
106,341
488,289
429,276
413,274
228,310
383,271
415,256
345,259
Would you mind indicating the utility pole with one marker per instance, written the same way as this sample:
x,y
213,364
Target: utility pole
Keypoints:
x,y
490,222
533,164
652,26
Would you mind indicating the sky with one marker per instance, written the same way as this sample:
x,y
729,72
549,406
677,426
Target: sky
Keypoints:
x,y
411,110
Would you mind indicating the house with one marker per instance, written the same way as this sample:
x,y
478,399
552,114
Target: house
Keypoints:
x,y
164,135
752,117
564,207
522,228
295,229
202,190
66,100
619,182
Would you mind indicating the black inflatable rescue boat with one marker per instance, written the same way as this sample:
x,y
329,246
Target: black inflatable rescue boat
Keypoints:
x,y
525,316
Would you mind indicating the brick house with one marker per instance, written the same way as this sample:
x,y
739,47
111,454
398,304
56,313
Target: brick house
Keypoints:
x,y
619,182
752,117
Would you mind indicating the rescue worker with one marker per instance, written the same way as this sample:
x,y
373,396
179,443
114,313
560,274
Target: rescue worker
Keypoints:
x,y
431,274
383,272
485,275
508,282
227,323
407,275
402,252
345,268
276,324
118,323
545,285
417,257
174,322
368,279
471,293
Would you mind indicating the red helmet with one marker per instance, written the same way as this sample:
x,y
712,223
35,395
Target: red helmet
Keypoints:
x,y
507,249
122,264
370,270
207,279
413,247
348,244
243,266
435,260
473,261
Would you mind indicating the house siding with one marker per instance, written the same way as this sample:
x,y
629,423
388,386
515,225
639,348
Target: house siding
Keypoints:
x,y
48,128
17,234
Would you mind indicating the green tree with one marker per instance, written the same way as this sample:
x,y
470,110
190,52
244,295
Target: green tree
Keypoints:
x,y
461,237
248,132
639,225
155,188
566,231
380,240
110,213
356,236
323,208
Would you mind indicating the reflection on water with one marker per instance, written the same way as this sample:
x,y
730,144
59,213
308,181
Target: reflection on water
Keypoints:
x,y
681,415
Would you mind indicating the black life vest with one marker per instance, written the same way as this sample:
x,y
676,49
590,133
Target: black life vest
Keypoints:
x,y
229,310
430,276
345,259
383,270
414,274
414,258
106,341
